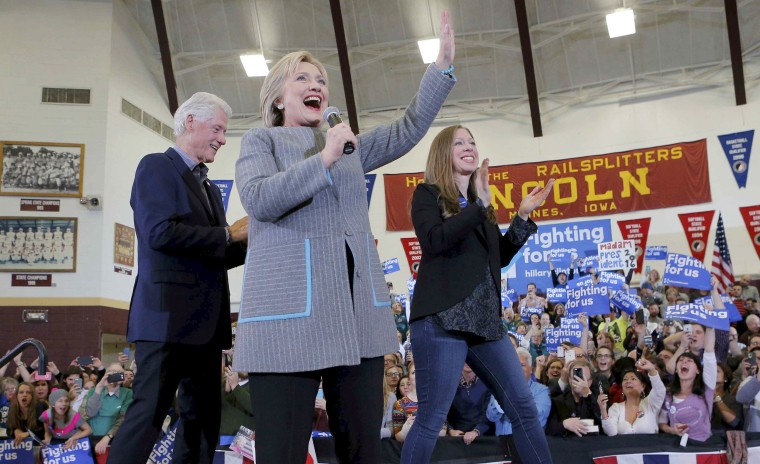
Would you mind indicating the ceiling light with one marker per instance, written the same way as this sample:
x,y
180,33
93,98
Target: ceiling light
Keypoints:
x,y
255,65
429,49
621,23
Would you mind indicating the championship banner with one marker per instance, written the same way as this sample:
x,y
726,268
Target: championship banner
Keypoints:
x,y
685,271
733,312
692,312
593,300
751,215
625,302
696,226
738,147
79,453
620,254
638,231
225,186
369,179
633,180
413,254
657,253
11,453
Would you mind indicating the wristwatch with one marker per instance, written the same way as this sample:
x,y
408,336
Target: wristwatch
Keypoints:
x,y
110,436
717,399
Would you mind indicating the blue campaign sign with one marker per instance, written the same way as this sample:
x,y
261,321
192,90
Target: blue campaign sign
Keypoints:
x,y
556,295
625,302
560,239
656,253
526,312
410,286
592,300
226,187
585,281
11,453
518,336
685,271
733,312
612,280
560,334
390,266
79,453
369,180
164,448
508,297
692,312
738,147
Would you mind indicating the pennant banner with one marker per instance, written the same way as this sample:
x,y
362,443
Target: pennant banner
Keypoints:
x,y
225,186
751,215
638,231
369,179
696,226
634,180
685,271
413,254
692,312
737,147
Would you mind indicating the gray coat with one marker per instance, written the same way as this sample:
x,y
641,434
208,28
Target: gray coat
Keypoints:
x,y
296,311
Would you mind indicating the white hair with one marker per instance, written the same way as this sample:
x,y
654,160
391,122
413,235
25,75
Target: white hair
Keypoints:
x,y
525,355
202,105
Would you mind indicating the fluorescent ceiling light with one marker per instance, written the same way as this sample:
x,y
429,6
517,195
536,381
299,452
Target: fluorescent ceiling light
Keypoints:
x,y
621,23
429,49
254,65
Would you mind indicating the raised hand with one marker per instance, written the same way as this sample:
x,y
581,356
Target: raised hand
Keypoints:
x,y
534,199
481,183
446,47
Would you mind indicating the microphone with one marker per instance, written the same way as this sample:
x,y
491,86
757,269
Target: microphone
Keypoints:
x,y
332,116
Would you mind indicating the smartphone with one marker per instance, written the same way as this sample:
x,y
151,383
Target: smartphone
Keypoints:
x,y
667,322
115,377
639,314
578,372
751,359
648,341
78,383
560,351
84,361
569,356
687,328
126,351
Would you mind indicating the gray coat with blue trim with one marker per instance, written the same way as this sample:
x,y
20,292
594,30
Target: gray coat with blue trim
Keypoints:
x,y
296,311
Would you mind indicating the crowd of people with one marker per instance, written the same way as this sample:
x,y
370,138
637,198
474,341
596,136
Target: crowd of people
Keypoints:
x,y
25,169
36,245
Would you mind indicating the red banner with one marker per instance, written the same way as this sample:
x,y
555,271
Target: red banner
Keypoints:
x,y
413,254
696,226
638,231
635,180
751,215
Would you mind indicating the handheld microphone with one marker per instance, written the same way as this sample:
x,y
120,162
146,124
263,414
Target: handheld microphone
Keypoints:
x,y
332,116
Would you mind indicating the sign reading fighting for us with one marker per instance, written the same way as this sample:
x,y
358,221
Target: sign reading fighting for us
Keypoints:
x,y
79,453
12,453
625,302
592,300
685,271
692,312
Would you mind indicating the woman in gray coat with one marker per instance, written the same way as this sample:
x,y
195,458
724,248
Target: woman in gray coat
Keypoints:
x,y
314,302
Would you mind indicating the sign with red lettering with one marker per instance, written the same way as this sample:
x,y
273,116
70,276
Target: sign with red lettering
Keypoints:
x,y
751,215
39,204
413,254
31,280
697,228
636,230
620,254
633,180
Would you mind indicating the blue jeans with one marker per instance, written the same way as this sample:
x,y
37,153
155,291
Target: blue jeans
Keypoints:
x,y
439,356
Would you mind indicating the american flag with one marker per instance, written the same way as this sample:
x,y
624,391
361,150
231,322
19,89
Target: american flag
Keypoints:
x,y
721,262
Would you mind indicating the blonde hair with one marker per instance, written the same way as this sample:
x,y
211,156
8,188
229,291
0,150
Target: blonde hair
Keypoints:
x,y
440,173
273,84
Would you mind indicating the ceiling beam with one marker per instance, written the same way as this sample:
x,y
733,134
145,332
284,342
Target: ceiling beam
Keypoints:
x,y
166,54
345,66
530,72
735,46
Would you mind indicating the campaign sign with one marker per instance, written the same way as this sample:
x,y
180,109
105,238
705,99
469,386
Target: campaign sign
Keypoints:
x,y
625,302
508,297
592,300
556,295
733,312
390,266
612,280
685,271
692,312
558,335
369,180
225,186
589,264
585,281
657,253
79,453
579,238
518,336
11,453
620,254
410,286
526,311
164,448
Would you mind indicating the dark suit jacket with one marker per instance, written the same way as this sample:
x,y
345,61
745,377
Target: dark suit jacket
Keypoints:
x,y
181,293
456,251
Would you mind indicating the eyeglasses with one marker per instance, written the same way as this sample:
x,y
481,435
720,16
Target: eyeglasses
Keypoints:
x,y
393,374
603,356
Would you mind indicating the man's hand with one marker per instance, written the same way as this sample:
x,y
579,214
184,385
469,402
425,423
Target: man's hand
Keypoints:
x,y
239,230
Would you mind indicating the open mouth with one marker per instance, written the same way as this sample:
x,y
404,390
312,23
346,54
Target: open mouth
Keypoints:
x,y
314,102
468,159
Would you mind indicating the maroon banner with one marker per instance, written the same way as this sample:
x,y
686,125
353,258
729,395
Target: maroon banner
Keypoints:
x,y
696,226
638,231
413,254
635,180
31,280
751,215
39,204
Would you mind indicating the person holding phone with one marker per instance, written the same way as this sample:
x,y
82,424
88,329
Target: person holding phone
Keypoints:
x,y
575,411
104,408
643,400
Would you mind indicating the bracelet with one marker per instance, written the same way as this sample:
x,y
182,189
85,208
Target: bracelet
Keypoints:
x,y
449,72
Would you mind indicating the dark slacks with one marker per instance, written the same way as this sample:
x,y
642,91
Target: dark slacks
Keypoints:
x,y
283,405
193,372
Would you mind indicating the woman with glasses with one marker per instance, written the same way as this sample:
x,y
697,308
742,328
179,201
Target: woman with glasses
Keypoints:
x,y
603,361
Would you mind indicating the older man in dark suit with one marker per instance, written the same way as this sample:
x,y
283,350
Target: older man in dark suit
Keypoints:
x,y
179,315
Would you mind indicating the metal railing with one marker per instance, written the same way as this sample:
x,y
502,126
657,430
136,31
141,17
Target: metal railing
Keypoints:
x,y
41,372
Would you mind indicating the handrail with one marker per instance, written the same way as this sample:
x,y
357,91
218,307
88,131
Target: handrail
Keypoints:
x,y
41,372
